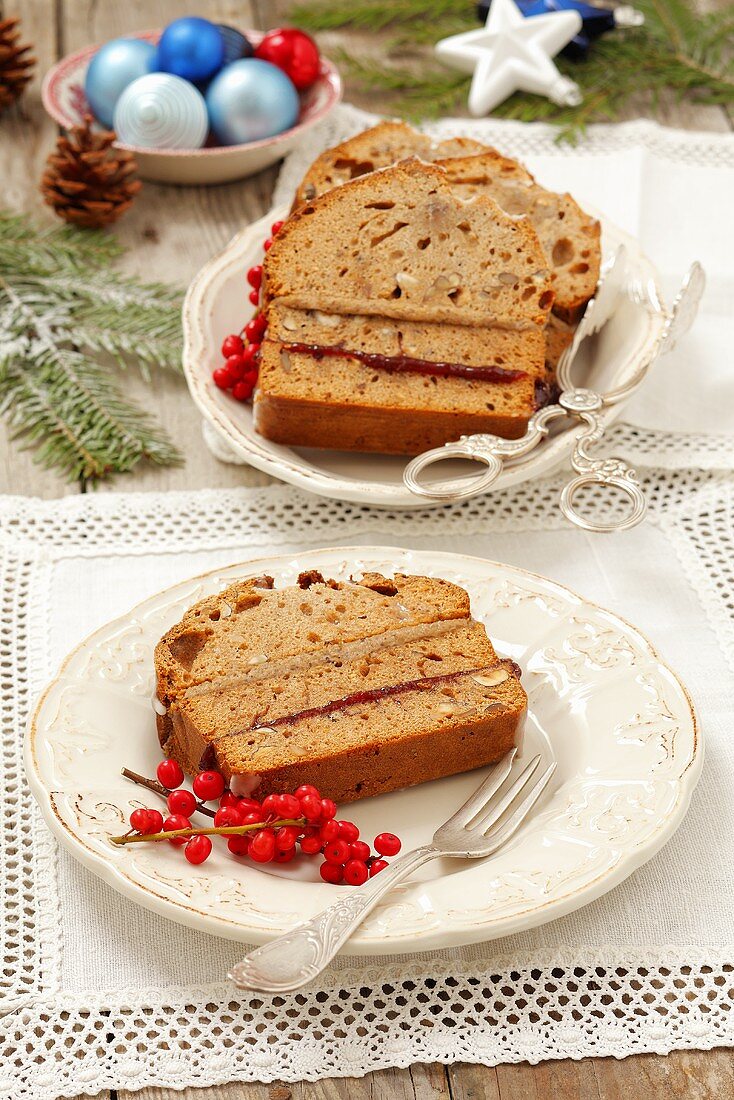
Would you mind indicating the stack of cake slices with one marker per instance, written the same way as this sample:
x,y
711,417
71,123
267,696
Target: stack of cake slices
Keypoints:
x,y
402,314
570,238
358,687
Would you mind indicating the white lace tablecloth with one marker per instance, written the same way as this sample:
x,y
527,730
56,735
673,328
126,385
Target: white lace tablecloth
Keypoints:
x,y
100,994
670,189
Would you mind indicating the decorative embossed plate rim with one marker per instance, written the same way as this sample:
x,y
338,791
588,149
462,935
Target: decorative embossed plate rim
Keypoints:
x,y
215,304
617,720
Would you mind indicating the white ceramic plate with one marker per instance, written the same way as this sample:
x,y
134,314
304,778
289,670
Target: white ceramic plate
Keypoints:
x,y
64,99
617,721
216,304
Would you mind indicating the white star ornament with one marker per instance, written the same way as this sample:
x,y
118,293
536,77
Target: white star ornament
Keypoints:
x,y
512,52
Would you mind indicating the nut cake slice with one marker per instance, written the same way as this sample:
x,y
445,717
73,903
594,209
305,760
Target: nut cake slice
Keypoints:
x,y
569,236
400,317
359,687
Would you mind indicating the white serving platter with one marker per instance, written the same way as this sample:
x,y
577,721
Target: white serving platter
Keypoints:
x,y
614,717
216,304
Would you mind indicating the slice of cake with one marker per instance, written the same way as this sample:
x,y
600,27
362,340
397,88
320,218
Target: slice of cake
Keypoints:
x,y
378,147
569,236
400,317
358,687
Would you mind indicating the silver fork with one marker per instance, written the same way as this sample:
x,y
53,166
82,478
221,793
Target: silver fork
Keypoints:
x,y
484,823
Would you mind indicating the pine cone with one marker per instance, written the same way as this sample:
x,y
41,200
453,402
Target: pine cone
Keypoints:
x,y
16,63
87,181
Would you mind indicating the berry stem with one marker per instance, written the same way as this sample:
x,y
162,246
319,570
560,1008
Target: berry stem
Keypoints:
x,y
222,830
158,788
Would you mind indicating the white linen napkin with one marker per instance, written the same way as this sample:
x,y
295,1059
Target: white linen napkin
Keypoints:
x,y
613,978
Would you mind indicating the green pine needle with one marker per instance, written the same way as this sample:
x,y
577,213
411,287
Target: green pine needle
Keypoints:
x,y
68,323
676,52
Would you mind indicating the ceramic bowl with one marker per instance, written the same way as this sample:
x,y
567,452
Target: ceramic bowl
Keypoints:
x,y
64,99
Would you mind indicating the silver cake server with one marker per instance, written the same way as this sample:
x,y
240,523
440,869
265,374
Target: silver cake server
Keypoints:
x,y
576,402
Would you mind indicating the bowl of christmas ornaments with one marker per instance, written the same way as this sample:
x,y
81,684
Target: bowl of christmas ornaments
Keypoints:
x,y
198,102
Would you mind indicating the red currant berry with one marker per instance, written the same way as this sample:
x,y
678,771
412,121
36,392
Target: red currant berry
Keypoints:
x,y
227,816
331,872
255,276
176,821
270,805
305,791
242,391
387,844
198,849
377,865
170,774
359,850
181,802
249,806
238,845
262,846
311,845
288,806
249,356
311,807
255,329
222,378
285,856
348,831
268,244
355,872
254,297
255,817
337,851
155,821
236,367
229,799
286,838
329,831
328,809
139,819
208,786
232,345
276,227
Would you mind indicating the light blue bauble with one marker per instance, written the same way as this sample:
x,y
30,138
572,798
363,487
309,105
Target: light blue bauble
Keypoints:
x,y
192,48
250,100
161,111
112,68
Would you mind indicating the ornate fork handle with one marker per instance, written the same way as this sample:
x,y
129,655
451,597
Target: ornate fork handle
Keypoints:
x,y
296,958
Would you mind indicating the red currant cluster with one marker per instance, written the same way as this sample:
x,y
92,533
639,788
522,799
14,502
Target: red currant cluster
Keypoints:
x,y
271,831
242,356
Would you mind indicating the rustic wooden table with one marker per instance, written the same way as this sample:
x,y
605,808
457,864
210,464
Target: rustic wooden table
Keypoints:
x,y
169,234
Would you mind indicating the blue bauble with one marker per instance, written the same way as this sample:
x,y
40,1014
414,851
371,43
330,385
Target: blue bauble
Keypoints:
x,y
112,68
236,45
192,48
251,100
161,111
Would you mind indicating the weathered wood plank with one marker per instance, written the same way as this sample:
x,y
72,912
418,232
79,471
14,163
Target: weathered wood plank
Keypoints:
x,y
417,1083
170,233
27,135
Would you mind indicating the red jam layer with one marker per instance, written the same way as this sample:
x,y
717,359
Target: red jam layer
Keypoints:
x,y
358,698
395,364
371,695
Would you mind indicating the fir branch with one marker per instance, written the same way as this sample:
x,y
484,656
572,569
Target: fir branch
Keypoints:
x,y
371,15
676,52
60,305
